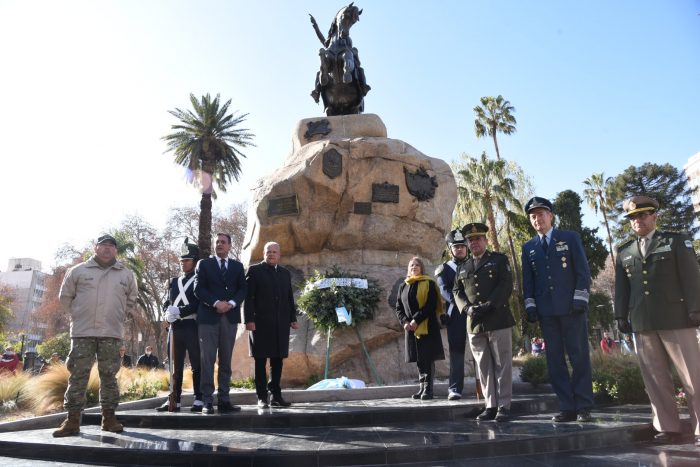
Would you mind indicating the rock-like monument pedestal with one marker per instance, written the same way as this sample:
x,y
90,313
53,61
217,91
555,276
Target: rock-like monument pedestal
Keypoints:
x,y
349,196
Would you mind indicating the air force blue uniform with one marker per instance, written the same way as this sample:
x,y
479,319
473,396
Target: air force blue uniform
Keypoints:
x,y
556,282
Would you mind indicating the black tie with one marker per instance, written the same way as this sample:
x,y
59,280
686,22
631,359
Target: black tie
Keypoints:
x,y
223,265
544,243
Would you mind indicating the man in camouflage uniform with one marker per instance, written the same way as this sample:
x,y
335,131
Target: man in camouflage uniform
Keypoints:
x,y
97,294
657,296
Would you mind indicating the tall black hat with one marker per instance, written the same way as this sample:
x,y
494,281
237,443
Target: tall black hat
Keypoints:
x,y
189,250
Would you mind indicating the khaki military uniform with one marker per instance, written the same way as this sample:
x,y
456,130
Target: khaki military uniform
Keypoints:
x,y
656,292
489,283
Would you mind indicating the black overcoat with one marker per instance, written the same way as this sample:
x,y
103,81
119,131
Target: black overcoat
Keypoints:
x,y
429,346
270,305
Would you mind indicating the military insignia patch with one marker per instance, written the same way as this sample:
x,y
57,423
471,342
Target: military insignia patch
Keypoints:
x,y
632,205
689,244
458,236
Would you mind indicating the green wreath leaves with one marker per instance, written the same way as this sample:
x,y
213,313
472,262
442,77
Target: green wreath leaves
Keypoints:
x,y
319,304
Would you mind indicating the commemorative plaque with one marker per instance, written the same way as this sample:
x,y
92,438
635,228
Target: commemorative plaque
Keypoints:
x,y
363,208
319,127
385,193
420,184
283,206
332,163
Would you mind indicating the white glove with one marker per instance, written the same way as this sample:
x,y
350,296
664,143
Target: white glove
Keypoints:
x,y
172,314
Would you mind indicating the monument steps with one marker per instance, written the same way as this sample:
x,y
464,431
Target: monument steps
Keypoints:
x,y
360,431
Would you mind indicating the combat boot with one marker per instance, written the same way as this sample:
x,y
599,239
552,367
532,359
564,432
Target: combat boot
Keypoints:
x,y
110,422
70,426
421,388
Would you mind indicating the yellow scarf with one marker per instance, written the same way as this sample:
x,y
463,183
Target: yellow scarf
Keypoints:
x,y
422,297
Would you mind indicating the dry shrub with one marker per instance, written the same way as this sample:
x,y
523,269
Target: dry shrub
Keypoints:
x,y
46,390
13,392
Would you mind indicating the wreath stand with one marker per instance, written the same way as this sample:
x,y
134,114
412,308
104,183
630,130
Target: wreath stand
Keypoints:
x,y
372,368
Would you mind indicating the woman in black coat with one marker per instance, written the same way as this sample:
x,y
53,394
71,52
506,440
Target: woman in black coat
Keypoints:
x,y
418,307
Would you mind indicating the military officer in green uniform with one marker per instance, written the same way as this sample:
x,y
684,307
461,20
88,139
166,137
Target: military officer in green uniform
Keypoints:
x,y
482,287
657,295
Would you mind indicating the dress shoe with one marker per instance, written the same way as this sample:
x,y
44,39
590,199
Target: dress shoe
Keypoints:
x,y
584,416
697,441
227,407
503,414
487,414
197,407
426,396
164,407
668,437
564,416
208,409
262,404
454,396
278,401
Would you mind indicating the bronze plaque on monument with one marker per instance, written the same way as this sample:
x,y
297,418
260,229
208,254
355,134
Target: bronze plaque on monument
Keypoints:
x,y
363,208
385,193
332,163
283,206
420,184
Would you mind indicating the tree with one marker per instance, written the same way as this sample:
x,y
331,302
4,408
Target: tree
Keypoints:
x,y
667,185
596,195
207,143
6,299
567,207
493,116
60,343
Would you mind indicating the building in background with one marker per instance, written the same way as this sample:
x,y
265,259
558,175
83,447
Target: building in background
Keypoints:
x,y
692,170
26,282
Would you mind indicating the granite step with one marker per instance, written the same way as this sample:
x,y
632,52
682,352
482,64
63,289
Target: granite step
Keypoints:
x,y
360,432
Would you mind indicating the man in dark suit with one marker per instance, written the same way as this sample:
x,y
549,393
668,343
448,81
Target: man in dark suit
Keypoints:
x,y
455,321
657,295
556,282
269,314
148,360
482,288
220,286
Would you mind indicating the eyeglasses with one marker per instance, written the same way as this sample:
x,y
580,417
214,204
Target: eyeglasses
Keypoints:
x,y
639,215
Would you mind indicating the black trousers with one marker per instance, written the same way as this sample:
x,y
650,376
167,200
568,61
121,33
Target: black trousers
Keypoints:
x,y
186,340
261,383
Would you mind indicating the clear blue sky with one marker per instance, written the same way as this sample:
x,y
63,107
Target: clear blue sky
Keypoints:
x,y
86,85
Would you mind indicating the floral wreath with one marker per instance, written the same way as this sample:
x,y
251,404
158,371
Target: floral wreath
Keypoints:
x,y
322,293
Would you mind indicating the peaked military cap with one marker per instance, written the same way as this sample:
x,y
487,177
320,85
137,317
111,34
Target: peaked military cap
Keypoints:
x,y
107,239
475,229
639,203
456,237
189,250
538,202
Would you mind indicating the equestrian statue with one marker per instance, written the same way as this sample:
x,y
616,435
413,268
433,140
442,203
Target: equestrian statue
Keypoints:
x,y
341,80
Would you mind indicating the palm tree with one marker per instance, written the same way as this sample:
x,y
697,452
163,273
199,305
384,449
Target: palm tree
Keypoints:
x,y
597,199
494,115
207,143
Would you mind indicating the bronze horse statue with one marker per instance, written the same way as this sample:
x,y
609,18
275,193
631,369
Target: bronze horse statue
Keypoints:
x,y
340,82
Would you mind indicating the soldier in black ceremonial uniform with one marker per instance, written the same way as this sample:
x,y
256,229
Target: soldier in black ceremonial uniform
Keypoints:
x,y
657,295
481,291
455,321
181,313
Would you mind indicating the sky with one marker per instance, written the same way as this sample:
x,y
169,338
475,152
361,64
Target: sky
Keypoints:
x,y
85,89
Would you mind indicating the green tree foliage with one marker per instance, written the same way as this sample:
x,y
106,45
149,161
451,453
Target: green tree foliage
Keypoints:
x,y
567,207
60,343
6,299
207,142
493,116
600,311
665,183
596,195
